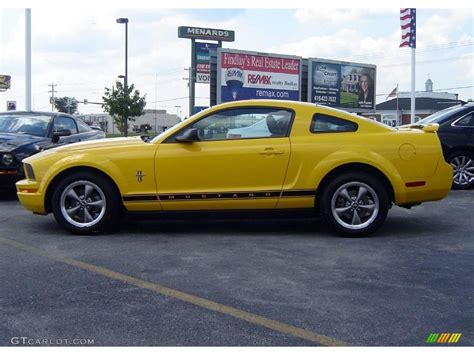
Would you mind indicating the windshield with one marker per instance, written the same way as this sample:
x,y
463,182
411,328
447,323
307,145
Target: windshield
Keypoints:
x,y
164,132
440,116
35,125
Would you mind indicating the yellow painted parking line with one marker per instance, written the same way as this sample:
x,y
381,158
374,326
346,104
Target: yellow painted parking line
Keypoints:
x,y
185,297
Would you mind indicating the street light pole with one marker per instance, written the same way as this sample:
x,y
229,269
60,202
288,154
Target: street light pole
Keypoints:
x,y
177,111
125,80
28,59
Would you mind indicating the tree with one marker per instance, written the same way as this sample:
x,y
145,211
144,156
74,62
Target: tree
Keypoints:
x,y
122,105
66,104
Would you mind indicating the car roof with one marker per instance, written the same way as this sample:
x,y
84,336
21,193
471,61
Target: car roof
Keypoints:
x,y
264,102
37,113
277,103
28,113
289,103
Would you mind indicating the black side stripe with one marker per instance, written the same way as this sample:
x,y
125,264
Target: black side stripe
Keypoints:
x,y
298,193
219,196
139,198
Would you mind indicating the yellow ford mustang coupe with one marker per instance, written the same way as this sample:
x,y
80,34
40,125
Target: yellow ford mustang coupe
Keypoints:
x,y
246,155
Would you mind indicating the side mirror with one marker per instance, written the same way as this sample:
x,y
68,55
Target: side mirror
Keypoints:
x,y
60,133
188,136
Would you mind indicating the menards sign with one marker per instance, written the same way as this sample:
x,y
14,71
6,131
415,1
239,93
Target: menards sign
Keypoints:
x,y
206,33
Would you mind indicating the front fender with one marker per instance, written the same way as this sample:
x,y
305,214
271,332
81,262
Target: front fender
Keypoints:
x,y
32,194
106,166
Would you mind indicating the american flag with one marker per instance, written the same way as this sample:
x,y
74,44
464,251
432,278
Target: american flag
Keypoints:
x,y
408,25
393,92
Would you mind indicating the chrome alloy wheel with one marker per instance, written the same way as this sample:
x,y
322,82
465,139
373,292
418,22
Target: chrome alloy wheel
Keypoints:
x,y
83,203
355,205
463,170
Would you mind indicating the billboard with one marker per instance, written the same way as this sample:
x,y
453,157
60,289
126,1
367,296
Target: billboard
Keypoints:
x,y
243,75
343,85
203,65
5,82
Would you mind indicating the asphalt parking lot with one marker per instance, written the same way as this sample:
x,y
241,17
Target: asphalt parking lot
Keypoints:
x,y
272,281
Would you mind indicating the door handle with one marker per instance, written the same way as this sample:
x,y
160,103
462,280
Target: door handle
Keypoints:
x,y
271,151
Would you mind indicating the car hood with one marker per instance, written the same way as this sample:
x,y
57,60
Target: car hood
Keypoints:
x,y
11,141
101,143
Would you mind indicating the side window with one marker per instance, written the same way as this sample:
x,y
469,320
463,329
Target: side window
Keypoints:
x,y
466,121
62,122
83,127
329,124
244,123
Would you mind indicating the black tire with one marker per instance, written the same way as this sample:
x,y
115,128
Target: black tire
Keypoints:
x,y
371,212
103,207
462,181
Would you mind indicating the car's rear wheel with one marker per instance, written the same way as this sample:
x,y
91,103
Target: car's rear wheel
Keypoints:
x,y
463,170
355,204
85,203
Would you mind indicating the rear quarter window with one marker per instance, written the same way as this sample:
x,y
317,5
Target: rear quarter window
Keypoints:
x,y
83,127
330,124
465,121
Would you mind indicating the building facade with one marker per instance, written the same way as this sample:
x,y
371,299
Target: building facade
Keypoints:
x,y
155,120
397,110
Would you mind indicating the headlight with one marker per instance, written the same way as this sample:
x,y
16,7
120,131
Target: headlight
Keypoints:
x,y
29,172
7,159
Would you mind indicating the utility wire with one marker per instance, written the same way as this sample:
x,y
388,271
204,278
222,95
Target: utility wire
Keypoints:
x,y
395,53
454,88
454,59
459,87
177,98
373,55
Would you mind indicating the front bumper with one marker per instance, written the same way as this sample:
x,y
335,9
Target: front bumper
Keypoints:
x,y
8,177
30,197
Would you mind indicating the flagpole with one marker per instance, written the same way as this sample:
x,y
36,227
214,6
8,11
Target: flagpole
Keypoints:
x,y
412,113
398,114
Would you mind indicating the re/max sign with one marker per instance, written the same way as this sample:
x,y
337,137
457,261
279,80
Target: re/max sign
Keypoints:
x,y
206,33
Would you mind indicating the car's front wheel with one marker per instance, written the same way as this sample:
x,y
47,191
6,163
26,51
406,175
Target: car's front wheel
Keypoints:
x,y
463,170
84,203
355,204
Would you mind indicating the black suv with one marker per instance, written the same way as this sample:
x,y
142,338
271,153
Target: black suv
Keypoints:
x,y
456,132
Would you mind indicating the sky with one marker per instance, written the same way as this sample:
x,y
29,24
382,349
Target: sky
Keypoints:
x,y
82,49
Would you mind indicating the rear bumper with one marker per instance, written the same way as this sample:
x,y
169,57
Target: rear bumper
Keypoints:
x,y
435,187
30,196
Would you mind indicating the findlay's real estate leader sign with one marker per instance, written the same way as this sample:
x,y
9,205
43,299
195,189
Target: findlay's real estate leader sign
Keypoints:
x,y
245,75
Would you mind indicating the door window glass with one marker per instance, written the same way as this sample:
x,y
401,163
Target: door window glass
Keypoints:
x,y
466,121
63,122
83,127
244,124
